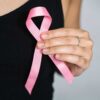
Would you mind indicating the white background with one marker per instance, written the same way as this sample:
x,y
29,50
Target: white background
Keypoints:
x,y
87,86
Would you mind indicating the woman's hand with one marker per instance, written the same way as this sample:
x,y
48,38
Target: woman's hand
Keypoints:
x,y
72,46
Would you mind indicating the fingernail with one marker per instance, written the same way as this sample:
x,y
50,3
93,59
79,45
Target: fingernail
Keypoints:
x,y
44,36
57,56
40,44
45,51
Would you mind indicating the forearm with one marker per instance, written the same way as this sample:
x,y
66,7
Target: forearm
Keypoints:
x,y
72,16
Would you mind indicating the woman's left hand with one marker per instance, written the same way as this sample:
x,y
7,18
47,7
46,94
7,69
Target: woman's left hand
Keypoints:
x,y
72,46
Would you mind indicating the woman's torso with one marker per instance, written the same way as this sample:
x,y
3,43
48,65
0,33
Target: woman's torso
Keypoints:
x,y
17,49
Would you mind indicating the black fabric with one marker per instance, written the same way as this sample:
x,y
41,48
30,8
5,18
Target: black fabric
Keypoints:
x,y
17,49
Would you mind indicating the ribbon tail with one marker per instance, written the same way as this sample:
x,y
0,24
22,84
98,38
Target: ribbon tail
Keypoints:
x,y
36,63
63,69
34,71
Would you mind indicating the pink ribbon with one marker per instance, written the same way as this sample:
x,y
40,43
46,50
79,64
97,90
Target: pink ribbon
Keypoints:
x,y
36,63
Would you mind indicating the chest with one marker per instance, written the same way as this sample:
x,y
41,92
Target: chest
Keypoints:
x,y
16,43
6,6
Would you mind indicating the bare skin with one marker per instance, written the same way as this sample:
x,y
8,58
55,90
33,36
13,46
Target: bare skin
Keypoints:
x,y
7,6
76,56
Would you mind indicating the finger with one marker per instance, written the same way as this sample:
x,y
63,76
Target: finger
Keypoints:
x,y
74,50
83,42
64,32
65,41
76,70
80,61
58,42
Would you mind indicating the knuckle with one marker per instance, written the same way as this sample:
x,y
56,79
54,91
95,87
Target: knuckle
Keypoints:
x,y
74,48
77,59
52,50
87,65
80,50
78,72
90,56
48,43
89,50
68,39
84,64
81,61
88,53
66,30
50,34
91,43
84,51
86,34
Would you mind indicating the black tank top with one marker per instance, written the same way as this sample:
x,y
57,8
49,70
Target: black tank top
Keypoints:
x,y
16,53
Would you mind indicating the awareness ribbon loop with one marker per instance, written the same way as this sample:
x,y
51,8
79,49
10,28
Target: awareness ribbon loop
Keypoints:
x,y
36,63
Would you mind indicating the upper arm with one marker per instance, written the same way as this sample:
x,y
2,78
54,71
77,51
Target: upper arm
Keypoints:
x,y
71,10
